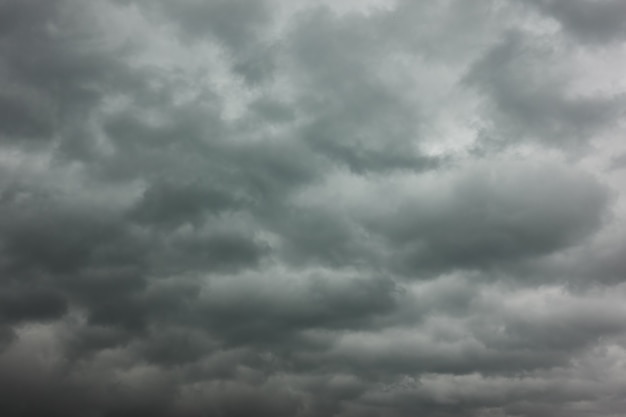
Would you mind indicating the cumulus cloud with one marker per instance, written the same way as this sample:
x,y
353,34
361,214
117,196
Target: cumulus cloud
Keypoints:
x,y
305,208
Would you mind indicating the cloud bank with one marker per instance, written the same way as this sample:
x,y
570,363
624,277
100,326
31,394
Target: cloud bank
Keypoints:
x,y
312,208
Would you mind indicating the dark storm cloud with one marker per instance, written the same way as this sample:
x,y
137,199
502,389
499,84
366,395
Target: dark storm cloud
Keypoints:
x,y
264,312
277,208
490,218
32,305
618,162
591,21
237,25
53,69
31,231
353,106
23,118
535,106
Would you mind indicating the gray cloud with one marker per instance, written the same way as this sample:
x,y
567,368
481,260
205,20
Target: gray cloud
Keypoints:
x,y
533,106
601,21
227,208
501,216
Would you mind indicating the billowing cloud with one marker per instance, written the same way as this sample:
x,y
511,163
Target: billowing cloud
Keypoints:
x,y
312,208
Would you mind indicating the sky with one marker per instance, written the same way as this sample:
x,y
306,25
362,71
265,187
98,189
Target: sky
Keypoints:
x,y
312,208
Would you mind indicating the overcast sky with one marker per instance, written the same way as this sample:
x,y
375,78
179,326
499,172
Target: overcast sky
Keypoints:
x,y
312,208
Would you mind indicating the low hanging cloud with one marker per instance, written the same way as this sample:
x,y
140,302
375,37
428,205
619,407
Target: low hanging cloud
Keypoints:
x,y
312,208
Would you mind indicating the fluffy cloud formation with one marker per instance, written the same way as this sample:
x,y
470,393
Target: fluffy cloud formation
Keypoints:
x,y
312,208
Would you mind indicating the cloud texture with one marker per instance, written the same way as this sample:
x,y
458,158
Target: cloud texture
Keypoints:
x,y
312,208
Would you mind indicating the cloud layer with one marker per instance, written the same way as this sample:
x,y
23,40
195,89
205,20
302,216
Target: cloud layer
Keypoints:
x,y
312,208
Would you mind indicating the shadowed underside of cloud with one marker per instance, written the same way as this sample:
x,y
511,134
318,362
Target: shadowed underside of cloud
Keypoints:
x,y
297,208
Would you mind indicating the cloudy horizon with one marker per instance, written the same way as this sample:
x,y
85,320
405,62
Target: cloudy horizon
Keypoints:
x,y
312,208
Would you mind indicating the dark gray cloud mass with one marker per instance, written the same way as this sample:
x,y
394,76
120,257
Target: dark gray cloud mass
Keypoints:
x,y
312,208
